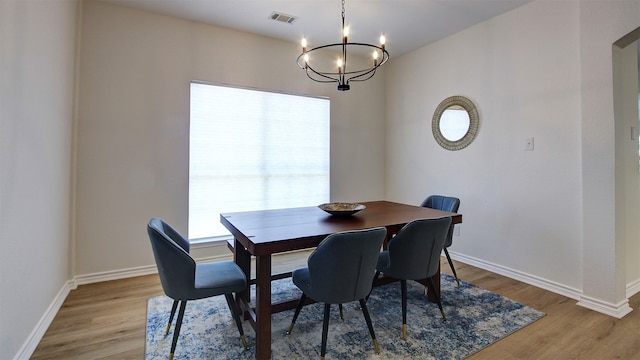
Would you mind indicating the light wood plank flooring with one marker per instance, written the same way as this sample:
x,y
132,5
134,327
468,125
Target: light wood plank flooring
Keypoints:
x,y
107,321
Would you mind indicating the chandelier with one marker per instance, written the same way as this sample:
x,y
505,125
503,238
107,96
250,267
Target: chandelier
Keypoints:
x,y
341,73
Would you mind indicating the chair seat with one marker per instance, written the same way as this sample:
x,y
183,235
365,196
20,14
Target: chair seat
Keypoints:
x,y
302,279
217,278
333,292
384,267
383,263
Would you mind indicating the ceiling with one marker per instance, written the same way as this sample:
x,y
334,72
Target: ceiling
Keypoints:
x,y
407,24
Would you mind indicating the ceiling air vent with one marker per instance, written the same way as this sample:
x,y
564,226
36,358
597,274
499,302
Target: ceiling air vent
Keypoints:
x,y
277,16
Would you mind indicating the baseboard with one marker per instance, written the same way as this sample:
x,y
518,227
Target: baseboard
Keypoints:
x,y
633,288
518,275
617,311
29,346
133,272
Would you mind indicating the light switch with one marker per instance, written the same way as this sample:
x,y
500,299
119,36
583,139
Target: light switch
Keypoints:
x,y
528,144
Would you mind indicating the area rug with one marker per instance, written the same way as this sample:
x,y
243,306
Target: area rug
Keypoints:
x,y
476,318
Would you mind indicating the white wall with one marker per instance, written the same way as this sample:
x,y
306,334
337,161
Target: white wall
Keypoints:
x,y
133,124
523,211
625,62
604,223
37,77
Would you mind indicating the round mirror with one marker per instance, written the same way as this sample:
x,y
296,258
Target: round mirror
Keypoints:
x,y
455,123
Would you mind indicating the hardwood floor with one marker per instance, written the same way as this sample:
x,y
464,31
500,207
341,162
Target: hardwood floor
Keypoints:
x,y
107,321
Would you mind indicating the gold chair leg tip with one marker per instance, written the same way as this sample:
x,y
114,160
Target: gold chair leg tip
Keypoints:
x,y
375,344
171,356
404,332
444,316
244,342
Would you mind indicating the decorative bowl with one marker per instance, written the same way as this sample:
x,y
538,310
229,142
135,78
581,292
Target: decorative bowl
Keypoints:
x,y
341,208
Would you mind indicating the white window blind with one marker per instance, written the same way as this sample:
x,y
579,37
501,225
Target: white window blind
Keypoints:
x,y
254,150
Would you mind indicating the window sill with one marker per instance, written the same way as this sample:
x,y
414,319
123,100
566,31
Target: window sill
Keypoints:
x,y
210,242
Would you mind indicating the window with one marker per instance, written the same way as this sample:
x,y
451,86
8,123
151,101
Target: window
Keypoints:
x,y
254,150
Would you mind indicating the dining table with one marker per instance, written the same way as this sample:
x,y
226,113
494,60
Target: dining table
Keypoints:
x,y
263,233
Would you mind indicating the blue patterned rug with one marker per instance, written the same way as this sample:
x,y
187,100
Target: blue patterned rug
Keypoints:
x,y
476,318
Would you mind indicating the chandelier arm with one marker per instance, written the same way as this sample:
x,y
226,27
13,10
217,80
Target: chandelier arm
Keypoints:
x,y
358,77
347,43
326,75
331,80
385,57
371,72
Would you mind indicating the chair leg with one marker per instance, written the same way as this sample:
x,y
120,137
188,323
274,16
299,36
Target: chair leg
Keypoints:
x,y
367,318
375,278
173,312
297,312
340,307
236,317
403,290
432,288
451,264
325,330
176,332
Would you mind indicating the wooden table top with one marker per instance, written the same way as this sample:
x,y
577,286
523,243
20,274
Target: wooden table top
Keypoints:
x,y
271,231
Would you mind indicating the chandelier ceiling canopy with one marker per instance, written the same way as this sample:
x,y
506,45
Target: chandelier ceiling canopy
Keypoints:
x,y
344,70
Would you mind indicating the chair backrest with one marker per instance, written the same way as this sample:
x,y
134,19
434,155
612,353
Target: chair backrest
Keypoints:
x,y
343,266
176,267
444,203
414,253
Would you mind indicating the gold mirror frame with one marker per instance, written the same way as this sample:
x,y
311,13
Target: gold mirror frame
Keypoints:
x,y
474,123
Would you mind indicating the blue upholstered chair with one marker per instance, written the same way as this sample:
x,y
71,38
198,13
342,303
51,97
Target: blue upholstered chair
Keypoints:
x,y
450,204
414,254
182,279
339,271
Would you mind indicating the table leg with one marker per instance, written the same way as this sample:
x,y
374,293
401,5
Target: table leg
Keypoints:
x,y
243,259
263,307
391,231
